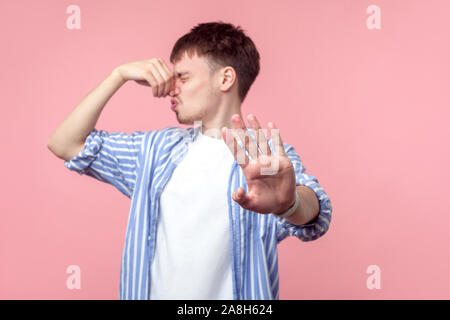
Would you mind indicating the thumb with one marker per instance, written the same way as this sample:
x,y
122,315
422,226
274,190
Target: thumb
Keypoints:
x,y
240,196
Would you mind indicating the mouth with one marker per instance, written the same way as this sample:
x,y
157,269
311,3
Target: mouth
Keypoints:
x,y
174,104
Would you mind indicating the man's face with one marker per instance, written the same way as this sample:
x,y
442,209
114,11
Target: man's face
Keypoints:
x,y
194,89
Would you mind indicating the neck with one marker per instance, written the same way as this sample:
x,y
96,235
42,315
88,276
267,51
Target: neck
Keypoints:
x,y
212,126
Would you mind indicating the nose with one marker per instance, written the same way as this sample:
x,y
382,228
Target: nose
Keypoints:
x,y
174,90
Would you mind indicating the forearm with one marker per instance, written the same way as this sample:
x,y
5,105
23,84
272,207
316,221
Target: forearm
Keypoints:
x,y
72,132
308,207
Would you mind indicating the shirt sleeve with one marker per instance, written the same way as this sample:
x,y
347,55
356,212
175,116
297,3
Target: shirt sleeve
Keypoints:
x,y
112,158
317,227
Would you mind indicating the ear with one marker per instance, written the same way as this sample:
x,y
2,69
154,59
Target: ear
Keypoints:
x,y
227,76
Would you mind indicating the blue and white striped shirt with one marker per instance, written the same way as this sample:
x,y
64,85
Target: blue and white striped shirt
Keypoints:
x,y
140,164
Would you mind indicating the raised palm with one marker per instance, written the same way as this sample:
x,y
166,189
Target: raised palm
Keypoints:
x,y
270,177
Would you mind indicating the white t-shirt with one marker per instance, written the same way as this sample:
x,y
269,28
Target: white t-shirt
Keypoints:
x,y
192,256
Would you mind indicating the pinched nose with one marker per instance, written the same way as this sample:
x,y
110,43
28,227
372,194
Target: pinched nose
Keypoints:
x,y
174,91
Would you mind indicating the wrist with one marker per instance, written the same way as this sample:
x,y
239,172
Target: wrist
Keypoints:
x,y
291,209
117,75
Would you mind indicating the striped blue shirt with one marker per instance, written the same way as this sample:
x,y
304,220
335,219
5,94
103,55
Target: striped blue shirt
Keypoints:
x,y
140,164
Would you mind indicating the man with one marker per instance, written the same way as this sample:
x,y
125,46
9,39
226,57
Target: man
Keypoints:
x,y
209,203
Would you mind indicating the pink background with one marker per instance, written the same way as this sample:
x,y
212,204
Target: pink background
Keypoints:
x,y
367,110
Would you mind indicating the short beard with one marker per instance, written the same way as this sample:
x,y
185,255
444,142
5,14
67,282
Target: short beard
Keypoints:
x,y
190,120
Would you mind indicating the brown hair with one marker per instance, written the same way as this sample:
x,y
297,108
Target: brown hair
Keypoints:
x,y
223,44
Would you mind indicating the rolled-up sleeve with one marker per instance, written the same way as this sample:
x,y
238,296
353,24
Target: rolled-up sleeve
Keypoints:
x,y
111,158
320,225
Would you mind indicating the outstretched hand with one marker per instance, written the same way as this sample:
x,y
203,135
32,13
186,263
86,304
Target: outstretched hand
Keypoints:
x,y
270,177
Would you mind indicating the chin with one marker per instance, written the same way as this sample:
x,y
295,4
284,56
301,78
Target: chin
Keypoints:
x,y
188,119
182,120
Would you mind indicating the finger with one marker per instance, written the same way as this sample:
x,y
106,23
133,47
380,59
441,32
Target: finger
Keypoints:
x,y
160,80
245,136
165,86
143,82
232,141
173,83
152,82
167,76
165,67
157,79
261,140
276,139
238,152
241,197
173,79
172,86
162,68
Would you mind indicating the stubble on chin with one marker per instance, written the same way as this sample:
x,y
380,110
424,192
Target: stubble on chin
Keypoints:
x,y
192,118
